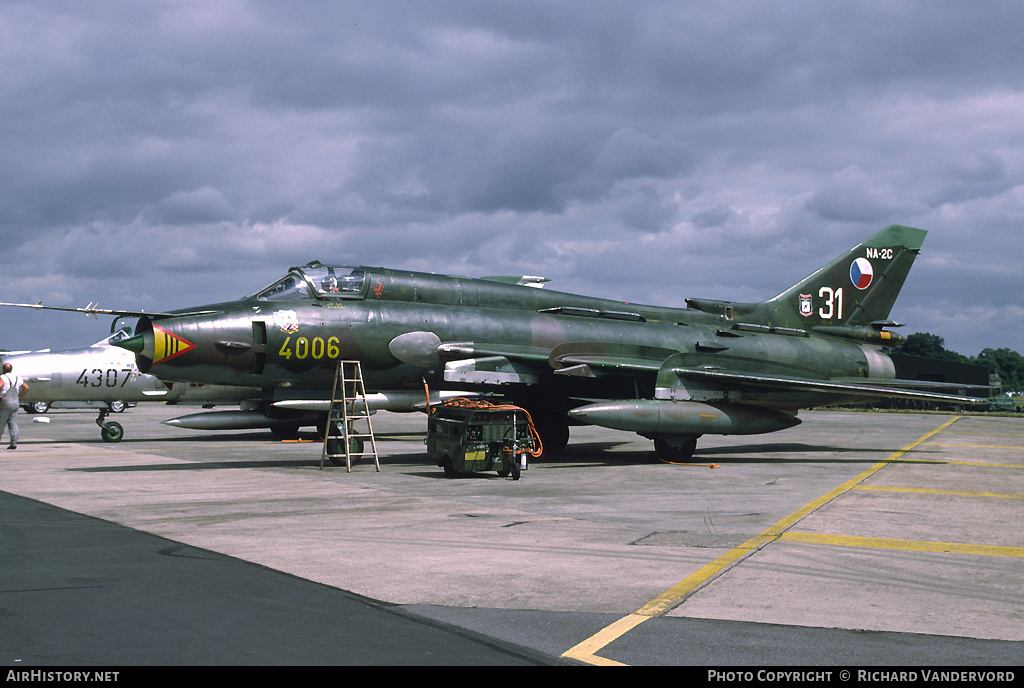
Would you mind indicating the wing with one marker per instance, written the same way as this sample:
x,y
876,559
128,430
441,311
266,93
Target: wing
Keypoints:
x,y
594,359
485,363
900,389
94,310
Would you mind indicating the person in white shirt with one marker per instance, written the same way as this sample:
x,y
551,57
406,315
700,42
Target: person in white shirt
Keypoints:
x,y
12,387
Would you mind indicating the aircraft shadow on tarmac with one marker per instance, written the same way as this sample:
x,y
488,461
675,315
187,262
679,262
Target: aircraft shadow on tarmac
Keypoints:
x,y
204,466
780,452
608,454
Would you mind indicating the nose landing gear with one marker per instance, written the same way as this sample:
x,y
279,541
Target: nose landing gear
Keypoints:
x,y
110,432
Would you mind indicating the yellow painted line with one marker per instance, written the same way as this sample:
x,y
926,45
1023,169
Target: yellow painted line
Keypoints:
x,y
908,545
671,597
986,434
954,462
973,446
925,490
586,651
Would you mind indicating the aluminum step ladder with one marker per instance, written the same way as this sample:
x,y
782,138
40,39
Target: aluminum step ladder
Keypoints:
x,y
349,432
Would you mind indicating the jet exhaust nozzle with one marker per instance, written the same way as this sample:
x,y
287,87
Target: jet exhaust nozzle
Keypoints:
x,y
657,417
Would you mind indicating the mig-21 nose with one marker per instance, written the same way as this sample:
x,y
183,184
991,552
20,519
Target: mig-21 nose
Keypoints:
x,y
134,344
154,344
141,345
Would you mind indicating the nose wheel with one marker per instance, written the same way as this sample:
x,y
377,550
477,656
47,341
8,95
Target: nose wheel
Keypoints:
x,y
110,432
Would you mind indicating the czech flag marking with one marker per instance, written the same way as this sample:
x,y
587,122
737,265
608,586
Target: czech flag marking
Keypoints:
x,y
167,345
861,273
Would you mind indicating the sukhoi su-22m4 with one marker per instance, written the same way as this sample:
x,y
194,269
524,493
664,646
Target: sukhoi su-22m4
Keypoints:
x,y
668,374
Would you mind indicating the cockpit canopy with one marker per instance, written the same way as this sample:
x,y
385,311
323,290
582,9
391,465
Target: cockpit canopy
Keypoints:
x,y
317,281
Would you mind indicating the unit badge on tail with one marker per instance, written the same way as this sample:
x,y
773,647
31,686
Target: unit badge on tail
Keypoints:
x,y
806,308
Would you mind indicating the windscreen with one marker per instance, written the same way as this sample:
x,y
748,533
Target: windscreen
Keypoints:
x,y
291,287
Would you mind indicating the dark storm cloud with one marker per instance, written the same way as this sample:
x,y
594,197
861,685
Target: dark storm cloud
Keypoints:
x,y
162,154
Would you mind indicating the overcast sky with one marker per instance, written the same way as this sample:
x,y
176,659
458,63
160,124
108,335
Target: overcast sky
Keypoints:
x,y
161,155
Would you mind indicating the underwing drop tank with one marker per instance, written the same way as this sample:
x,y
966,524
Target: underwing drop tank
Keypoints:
x,y
239,420
650,417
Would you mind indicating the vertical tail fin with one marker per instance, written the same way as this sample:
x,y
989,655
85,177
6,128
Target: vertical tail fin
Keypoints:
x,y
856,289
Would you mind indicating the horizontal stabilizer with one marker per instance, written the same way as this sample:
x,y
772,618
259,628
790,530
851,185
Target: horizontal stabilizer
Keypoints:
x,y
861,333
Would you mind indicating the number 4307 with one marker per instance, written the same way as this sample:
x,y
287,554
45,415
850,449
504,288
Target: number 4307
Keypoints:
x,y
98,377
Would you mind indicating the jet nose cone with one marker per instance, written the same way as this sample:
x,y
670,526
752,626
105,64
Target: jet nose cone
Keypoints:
x,y
134,344
141,345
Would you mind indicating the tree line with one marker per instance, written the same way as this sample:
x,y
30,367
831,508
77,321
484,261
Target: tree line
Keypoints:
x,y
1006,363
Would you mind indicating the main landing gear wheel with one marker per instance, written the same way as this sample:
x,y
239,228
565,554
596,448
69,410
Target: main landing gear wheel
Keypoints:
x,y
549,413
285,432
336,448
110,432
553,428
672,449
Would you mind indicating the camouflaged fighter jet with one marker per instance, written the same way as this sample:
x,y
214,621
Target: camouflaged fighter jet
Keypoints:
x,y
668,374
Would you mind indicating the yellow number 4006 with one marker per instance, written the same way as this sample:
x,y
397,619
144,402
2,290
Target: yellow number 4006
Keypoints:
x,y
316,348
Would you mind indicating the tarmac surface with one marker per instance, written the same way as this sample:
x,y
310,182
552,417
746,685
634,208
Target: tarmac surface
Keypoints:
x,y
854,539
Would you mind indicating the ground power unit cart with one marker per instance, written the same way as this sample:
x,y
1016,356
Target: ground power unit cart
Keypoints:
x,y
470,436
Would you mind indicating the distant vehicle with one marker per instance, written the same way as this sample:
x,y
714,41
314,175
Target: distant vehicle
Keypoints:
x,y
1002,404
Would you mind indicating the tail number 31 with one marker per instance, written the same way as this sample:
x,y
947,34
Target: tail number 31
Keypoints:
x,y
833,303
